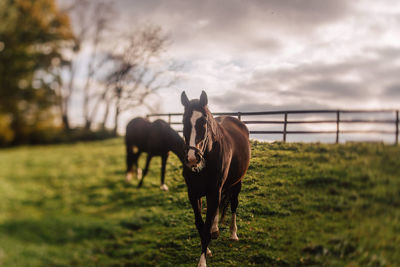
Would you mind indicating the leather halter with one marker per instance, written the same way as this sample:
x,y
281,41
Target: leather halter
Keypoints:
x,y
200,152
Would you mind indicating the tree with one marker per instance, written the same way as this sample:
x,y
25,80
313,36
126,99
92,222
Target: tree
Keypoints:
x,y
87,56
139,71
107,69
32,34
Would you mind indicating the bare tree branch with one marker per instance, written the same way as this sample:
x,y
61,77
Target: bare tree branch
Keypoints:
x,y
141,71
92,20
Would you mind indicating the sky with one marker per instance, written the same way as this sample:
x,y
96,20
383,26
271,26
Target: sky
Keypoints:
x,y
261,55
279,54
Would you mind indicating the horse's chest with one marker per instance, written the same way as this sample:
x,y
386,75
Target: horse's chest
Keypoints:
x,y
200,185
196,186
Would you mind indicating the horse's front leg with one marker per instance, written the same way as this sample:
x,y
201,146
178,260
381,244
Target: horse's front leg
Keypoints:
x,y
212,212
164,158
196,205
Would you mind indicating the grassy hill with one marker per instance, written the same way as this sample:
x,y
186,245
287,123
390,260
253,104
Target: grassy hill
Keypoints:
x,y
301,204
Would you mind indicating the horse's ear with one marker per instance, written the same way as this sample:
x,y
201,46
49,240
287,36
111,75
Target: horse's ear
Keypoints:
x,y
203,99
184,99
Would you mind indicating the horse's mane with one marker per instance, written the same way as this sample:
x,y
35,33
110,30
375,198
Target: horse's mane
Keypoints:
x,y
216,133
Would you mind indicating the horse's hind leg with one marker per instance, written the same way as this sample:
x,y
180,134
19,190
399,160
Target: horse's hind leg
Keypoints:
x,y
214,227
234,204
132,156
163,166
225,200
129,162
146,169
137,170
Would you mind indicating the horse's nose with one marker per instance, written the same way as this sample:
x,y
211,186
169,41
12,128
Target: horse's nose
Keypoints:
x,y
191,159
192,163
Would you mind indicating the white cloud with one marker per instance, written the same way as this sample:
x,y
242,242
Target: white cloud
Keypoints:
x,y
277,54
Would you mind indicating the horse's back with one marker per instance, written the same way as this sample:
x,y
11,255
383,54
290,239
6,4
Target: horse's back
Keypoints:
x,y
238,135
160,125
233,126
158,138
137,131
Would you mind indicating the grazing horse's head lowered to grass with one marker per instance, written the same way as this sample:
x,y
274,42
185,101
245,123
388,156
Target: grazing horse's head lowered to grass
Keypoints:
x,y
217,155
156,139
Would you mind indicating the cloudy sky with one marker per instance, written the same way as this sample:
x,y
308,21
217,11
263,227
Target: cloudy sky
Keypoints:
x,y
279,54
257,55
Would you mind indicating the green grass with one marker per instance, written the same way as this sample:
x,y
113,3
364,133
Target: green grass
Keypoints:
x,y
301,204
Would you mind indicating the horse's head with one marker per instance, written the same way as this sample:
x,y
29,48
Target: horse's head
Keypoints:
x,y
195,130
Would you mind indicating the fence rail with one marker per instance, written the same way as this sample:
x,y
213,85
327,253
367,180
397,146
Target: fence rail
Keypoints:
x,y
285,121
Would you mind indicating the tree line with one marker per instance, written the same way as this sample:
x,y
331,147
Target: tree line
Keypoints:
x,y
56,58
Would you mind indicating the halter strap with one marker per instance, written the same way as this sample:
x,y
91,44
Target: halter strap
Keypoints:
x,y
205,143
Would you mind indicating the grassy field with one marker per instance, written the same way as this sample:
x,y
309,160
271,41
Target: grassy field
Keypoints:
x,y
301,204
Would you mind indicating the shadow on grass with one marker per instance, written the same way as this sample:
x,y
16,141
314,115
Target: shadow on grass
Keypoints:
x,y
120,173
126,198
56,230
344,181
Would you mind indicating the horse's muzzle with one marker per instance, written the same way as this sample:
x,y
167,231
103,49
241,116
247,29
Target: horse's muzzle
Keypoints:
x,y
194,162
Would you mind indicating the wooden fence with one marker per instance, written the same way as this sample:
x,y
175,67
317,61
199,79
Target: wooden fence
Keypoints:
x,y
391,114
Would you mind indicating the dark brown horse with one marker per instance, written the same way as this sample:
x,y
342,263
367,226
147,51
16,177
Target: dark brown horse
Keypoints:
x,y
216,159
156,139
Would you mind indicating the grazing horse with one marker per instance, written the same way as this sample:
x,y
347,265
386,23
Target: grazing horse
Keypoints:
x,y
217,156
156,139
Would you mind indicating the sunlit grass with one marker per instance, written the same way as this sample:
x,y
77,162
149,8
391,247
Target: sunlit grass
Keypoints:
x,y
301,204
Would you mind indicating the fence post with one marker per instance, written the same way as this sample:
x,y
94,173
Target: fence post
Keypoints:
x,y
397,127
239,116
337,126
284,128
169,119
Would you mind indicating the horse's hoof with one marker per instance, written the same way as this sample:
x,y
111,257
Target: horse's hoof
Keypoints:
x,y
128,177
214,235
164,187
202,262
209,253
139,173
234,237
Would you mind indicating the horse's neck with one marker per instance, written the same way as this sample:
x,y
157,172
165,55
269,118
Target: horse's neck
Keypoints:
x,y
215,132
176,144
